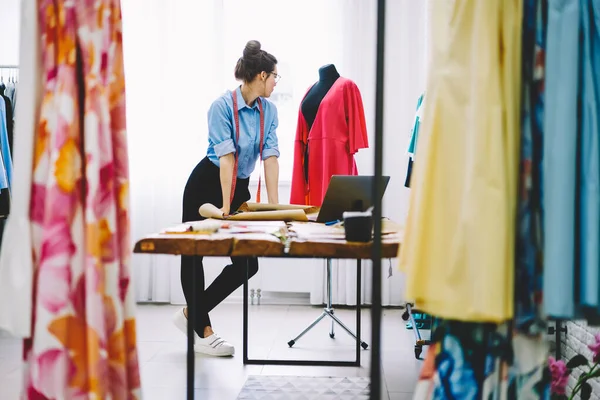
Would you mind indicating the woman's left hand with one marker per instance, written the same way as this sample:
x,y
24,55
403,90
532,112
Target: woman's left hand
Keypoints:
x,y
225,211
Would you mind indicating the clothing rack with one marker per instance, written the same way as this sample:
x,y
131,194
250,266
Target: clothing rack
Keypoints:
x,y
12,71
9,76
557,330
415,325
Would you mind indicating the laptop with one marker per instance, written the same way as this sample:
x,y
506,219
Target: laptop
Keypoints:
x,y
348,193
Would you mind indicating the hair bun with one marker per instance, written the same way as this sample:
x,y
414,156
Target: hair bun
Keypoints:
x,y
252,49
253,61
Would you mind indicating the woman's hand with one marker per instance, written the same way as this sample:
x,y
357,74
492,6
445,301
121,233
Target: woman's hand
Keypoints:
x,y
225,210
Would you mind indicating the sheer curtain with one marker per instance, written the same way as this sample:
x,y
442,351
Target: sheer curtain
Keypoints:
x,y
172,74
179,56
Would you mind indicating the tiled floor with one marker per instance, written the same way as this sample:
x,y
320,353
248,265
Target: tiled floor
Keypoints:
x,y
163,364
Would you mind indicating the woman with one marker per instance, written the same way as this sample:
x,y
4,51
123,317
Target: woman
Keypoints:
x,y
212,181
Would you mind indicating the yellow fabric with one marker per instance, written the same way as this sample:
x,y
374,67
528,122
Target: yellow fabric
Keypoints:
x,y
458,251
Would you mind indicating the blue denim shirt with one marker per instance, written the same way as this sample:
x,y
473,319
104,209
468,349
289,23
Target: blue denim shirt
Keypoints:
x,y
221,132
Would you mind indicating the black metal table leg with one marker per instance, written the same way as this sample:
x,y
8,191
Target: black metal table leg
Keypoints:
x,y
191,359
358,313
245,334
333,363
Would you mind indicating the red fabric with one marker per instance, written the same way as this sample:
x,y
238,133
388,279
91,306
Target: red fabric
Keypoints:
x,y
338,132
236,117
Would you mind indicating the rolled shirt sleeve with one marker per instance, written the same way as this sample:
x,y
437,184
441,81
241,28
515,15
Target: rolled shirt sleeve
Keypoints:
x,y
220,128
271,146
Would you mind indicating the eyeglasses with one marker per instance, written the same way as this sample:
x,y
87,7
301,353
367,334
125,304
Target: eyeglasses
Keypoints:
x,y
276,76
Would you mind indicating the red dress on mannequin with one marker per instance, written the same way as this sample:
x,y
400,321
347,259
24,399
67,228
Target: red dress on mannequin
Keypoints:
x,y
338,132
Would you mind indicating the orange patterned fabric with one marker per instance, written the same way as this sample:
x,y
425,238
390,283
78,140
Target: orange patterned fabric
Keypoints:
x,y
83,343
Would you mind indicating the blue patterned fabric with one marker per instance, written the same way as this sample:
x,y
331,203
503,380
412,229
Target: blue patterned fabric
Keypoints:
x,y
473,361
529,268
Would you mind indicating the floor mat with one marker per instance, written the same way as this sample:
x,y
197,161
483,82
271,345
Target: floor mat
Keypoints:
x,y
276,387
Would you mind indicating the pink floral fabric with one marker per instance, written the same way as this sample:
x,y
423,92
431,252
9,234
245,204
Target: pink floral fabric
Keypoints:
x,y
83,343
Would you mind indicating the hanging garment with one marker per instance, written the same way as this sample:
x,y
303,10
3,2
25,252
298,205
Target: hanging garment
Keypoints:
x,y
83,326
3,171
458,250
338,132
11,93
16,264
408,172
560,152
6,121
589,157
8,109
529,268
13,96
472,361
8,124
5,147
414,136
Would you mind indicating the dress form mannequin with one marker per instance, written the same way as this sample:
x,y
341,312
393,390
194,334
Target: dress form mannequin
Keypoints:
x,y
310,105
331,129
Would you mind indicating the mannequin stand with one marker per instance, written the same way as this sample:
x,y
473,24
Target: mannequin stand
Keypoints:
x,y
328,311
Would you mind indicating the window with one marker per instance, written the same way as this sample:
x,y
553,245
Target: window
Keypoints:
x,y
302,35
180,56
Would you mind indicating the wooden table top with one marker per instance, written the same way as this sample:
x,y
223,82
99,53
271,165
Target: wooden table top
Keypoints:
x,y
271,239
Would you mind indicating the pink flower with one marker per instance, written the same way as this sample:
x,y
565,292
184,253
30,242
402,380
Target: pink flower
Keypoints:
x,y
595,348
560,375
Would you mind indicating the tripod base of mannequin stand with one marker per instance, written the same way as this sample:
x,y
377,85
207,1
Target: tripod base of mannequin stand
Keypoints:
x,y
328,312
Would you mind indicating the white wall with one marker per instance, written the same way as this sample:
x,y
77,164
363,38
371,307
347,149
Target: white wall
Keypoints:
x,y
405,64
405,73
10,16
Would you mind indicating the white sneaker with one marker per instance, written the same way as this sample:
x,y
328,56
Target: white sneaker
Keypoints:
x,y
215,346
212,345
180,321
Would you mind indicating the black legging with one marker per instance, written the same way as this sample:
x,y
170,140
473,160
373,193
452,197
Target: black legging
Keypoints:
x,y
204,186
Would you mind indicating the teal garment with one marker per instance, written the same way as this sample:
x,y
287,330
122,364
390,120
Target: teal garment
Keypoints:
x,y
571,182
589,180
412,146
5,157
560,157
